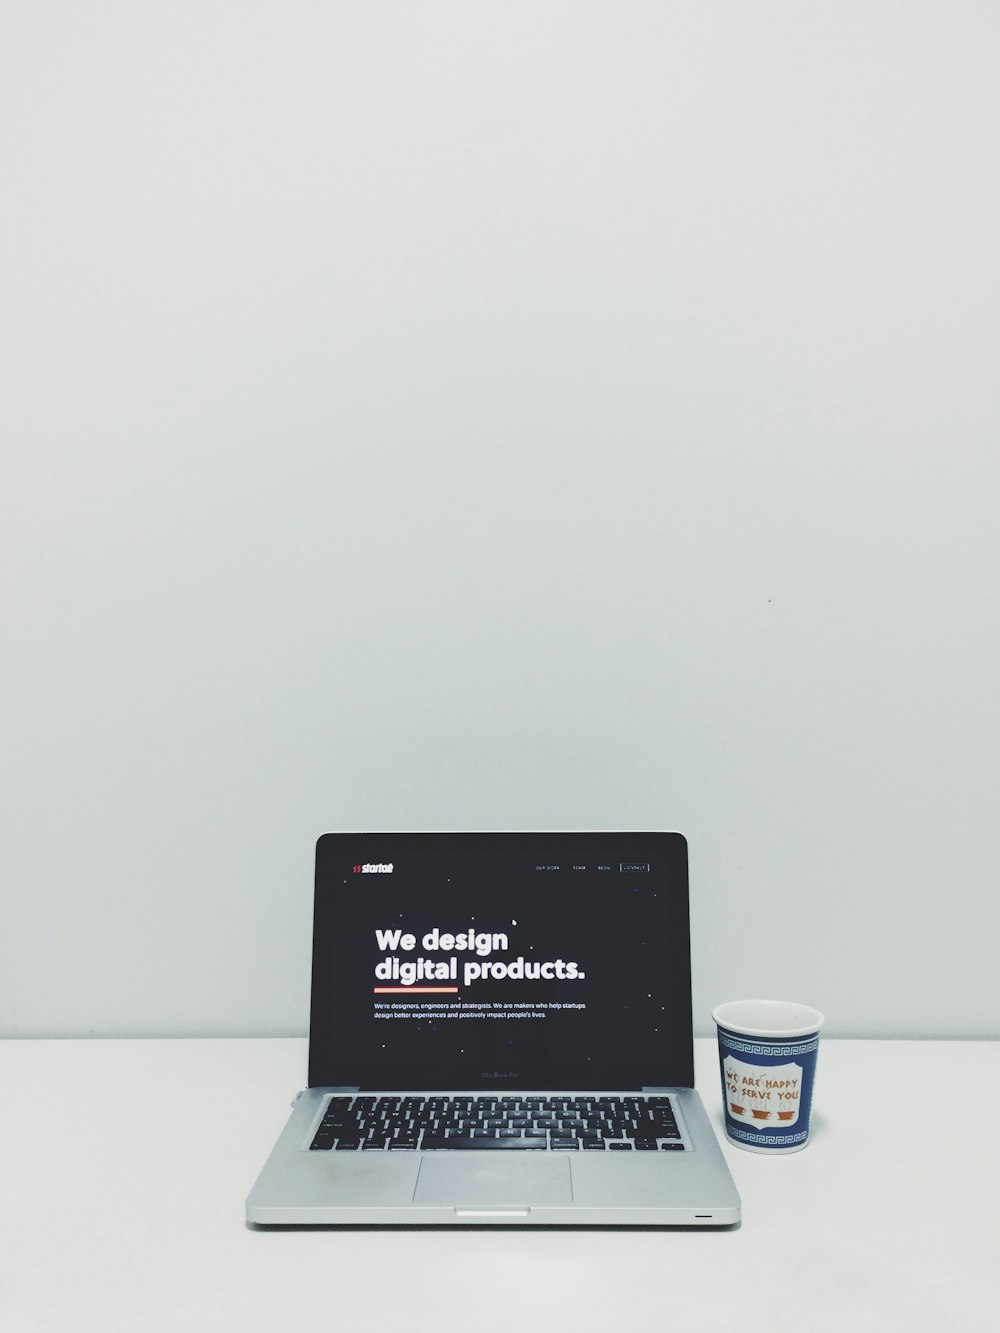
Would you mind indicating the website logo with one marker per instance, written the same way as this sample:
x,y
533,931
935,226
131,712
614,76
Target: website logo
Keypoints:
x,y
374,868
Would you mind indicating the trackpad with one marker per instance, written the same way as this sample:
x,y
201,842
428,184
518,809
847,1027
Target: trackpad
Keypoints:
x,y
465,1178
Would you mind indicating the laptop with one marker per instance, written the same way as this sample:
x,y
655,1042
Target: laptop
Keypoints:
x,y
500,1035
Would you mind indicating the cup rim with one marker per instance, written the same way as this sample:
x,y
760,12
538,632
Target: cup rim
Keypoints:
x,y
768,1018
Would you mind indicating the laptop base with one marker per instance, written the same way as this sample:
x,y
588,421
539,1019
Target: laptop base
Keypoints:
x,y
299,1187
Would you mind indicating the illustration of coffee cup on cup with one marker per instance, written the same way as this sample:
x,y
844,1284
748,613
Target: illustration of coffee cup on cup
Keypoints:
x,y
763,1095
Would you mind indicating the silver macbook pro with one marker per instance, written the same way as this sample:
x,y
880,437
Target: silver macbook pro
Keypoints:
x,y
500,1034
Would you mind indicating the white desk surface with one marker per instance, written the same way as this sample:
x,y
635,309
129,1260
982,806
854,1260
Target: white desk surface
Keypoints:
x,y
124,1166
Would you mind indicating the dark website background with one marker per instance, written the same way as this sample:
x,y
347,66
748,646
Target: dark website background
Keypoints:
x,y
556,897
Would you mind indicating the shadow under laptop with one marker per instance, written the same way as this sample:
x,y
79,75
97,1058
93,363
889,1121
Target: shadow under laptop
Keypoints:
x,y
473,1226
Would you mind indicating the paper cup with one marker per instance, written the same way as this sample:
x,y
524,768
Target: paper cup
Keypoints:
x,y
767,1060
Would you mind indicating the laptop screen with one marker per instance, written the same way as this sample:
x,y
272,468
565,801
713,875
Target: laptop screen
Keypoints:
x,y
495,961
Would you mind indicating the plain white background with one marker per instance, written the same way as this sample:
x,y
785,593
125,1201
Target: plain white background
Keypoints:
x,y
498,416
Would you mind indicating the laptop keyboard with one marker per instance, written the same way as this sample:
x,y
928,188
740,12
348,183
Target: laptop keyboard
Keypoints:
x,y
415,1124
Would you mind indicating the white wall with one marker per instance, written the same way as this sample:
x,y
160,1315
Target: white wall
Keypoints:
x,y
495,416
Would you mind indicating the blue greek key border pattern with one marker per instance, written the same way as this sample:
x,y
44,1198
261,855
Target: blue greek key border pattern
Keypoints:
x,y
773,1140
758,1048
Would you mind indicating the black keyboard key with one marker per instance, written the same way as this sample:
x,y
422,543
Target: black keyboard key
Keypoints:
x,y
594,1143
620,1147
656,1129
672,1147
343,1145
430,1143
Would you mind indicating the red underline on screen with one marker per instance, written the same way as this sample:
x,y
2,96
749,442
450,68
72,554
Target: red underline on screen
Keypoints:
x,y
415,990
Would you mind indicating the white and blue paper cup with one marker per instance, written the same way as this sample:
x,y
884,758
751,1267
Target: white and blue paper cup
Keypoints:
x,y
767,1059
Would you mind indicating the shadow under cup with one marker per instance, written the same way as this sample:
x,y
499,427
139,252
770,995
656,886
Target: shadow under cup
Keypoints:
x,y
767,1060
